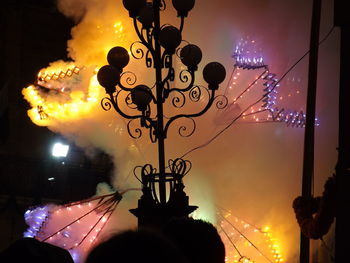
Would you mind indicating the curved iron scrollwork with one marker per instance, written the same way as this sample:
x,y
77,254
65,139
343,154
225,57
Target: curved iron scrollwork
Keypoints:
x,y
179,167
149,176
162,6
133,132
167,60
137,52
193,115
183,76
129,103
145,121
221,102
128,77
106,103
149,60
179,100
183,130
145,173
195,94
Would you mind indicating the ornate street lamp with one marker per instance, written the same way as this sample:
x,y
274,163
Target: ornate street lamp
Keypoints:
x,y
159,45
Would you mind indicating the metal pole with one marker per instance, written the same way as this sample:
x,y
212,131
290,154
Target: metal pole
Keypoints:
x,y
159,87
308,164
342,229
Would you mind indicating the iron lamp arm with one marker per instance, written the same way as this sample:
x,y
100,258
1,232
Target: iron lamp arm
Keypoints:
x,y
112,100
184,79
204,110
147,43
182,22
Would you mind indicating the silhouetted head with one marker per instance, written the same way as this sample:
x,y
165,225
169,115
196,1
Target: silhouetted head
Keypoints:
x,y
32,250
198,240
139,246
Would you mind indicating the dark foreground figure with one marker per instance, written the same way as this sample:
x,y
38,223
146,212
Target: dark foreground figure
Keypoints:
x,y
32,250
198,240
139,246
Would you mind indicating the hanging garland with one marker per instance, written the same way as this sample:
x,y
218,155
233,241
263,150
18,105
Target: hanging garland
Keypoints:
x,y
315,215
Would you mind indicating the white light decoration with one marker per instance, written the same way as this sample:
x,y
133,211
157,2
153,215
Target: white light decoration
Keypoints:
x,y
60,150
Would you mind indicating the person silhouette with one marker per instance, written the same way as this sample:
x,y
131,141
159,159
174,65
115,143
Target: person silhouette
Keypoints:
x,y
31,250
135,246
198,240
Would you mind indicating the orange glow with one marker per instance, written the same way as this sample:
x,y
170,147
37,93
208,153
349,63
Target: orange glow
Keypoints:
x,y
246,243
49,108
65,92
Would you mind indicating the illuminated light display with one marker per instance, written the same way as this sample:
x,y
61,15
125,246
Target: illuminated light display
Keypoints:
x,y
253,91
53,99
245,242
65,91
44,76
74,226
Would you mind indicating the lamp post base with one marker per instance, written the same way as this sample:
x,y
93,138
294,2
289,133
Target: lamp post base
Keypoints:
x,y
155,215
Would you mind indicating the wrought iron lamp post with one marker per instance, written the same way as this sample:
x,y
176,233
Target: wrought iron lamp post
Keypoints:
x,y
146,102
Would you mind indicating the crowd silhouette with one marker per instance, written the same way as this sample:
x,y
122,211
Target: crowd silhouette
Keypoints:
x,y
182,240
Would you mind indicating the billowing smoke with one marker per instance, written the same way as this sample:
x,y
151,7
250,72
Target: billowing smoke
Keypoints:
x,y
252,169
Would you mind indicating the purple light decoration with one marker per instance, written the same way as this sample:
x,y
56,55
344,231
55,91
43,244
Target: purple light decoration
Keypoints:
x,y
74,226
35,218
248,57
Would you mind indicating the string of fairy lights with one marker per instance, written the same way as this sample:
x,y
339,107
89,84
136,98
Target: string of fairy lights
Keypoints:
x,y
74,226
44,76
247,60
103,208
235,230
